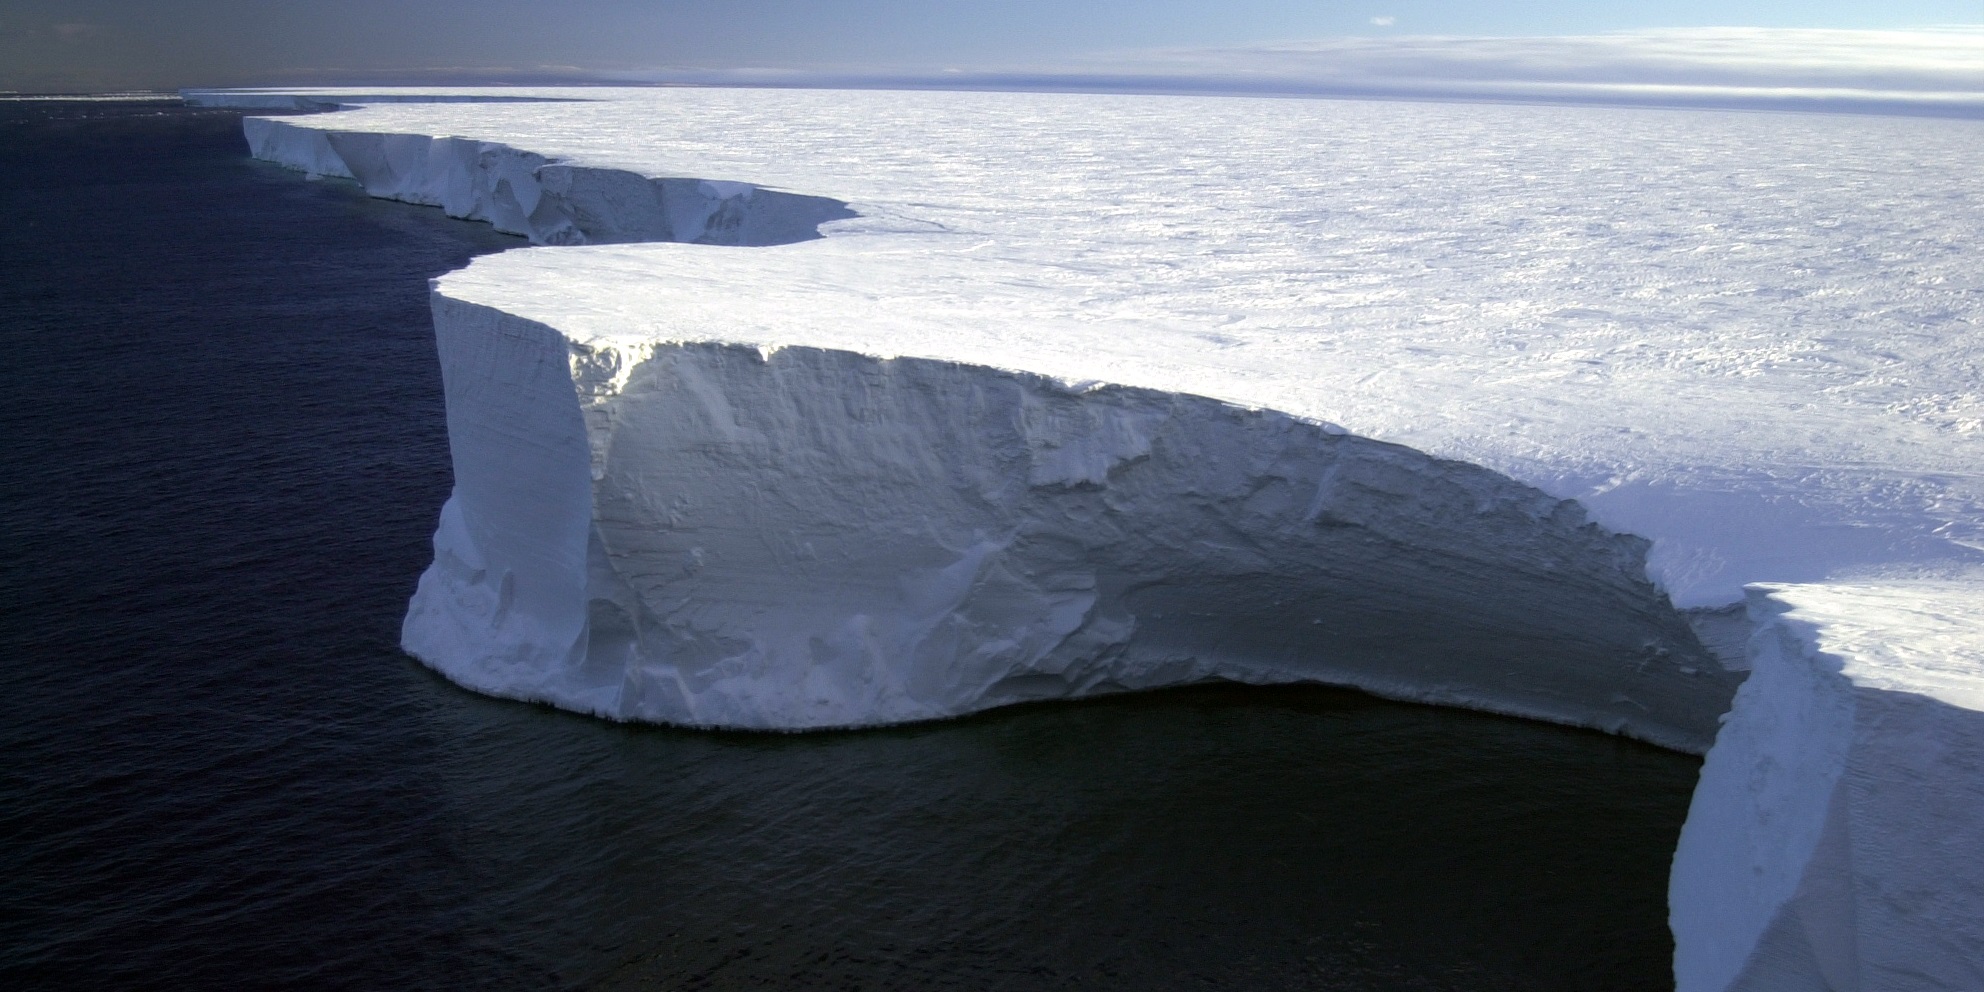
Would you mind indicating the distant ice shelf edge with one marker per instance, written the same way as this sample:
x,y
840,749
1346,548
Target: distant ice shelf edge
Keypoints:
x,y
720,535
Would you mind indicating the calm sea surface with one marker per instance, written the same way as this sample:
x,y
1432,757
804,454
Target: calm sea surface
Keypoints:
x,y
223,451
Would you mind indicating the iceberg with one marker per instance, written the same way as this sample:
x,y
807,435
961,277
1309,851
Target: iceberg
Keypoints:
x,y
735,536
832,409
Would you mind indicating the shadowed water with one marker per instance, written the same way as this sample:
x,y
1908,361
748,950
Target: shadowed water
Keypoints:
x,y
224,451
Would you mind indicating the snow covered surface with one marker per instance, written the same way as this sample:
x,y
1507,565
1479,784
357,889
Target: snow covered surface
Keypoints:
x,y
1749,337
1080,393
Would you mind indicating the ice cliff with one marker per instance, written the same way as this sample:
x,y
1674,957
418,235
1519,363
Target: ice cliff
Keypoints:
x,y
1834,840
759,542
551,203
716,535
1052,409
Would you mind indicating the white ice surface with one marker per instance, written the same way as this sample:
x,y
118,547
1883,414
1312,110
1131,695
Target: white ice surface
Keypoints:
x,y
1751,338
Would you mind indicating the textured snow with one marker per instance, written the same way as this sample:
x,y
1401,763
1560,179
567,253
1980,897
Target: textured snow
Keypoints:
x,y
1082,393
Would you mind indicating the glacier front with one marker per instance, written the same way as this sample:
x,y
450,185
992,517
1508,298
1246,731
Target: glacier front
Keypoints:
x,y
722,535
965,399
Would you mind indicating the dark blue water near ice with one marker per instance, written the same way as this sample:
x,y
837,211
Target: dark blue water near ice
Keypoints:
x,y
223,450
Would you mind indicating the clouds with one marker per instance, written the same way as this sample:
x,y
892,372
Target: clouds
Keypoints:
x,y
1406,48
1939,71
1930,71
1928,60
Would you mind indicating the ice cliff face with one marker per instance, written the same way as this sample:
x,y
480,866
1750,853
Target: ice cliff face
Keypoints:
x,y
551,203
975,538
717,536
1834,840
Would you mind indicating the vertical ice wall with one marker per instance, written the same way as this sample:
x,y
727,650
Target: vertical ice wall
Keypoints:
x,y
1835,841
1832,842
713,535
550,202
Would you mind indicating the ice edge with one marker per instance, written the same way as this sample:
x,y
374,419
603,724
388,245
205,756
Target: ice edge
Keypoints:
x,y
556,203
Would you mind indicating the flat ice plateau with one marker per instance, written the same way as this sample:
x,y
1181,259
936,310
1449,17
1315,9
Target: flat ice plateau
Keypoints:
x,y
838,408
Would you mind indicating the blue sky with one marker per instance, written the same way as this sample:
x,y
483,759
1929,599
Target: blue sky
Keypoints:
x,y
99,44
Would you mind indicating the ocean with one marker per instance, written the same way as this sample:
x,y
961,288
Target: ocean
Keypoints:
x,y
224,451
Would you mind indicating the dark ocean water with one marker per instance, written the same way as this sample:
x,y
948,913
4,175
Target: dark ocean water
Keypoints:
x,y
223,452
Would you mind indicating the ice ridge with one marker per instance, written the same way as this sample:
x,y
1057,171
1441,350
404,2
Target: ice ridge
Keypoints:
x,y
307,101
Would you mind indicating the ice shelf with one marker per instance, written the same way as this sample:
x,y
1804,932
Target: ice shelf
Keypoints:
x,y
1019,396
